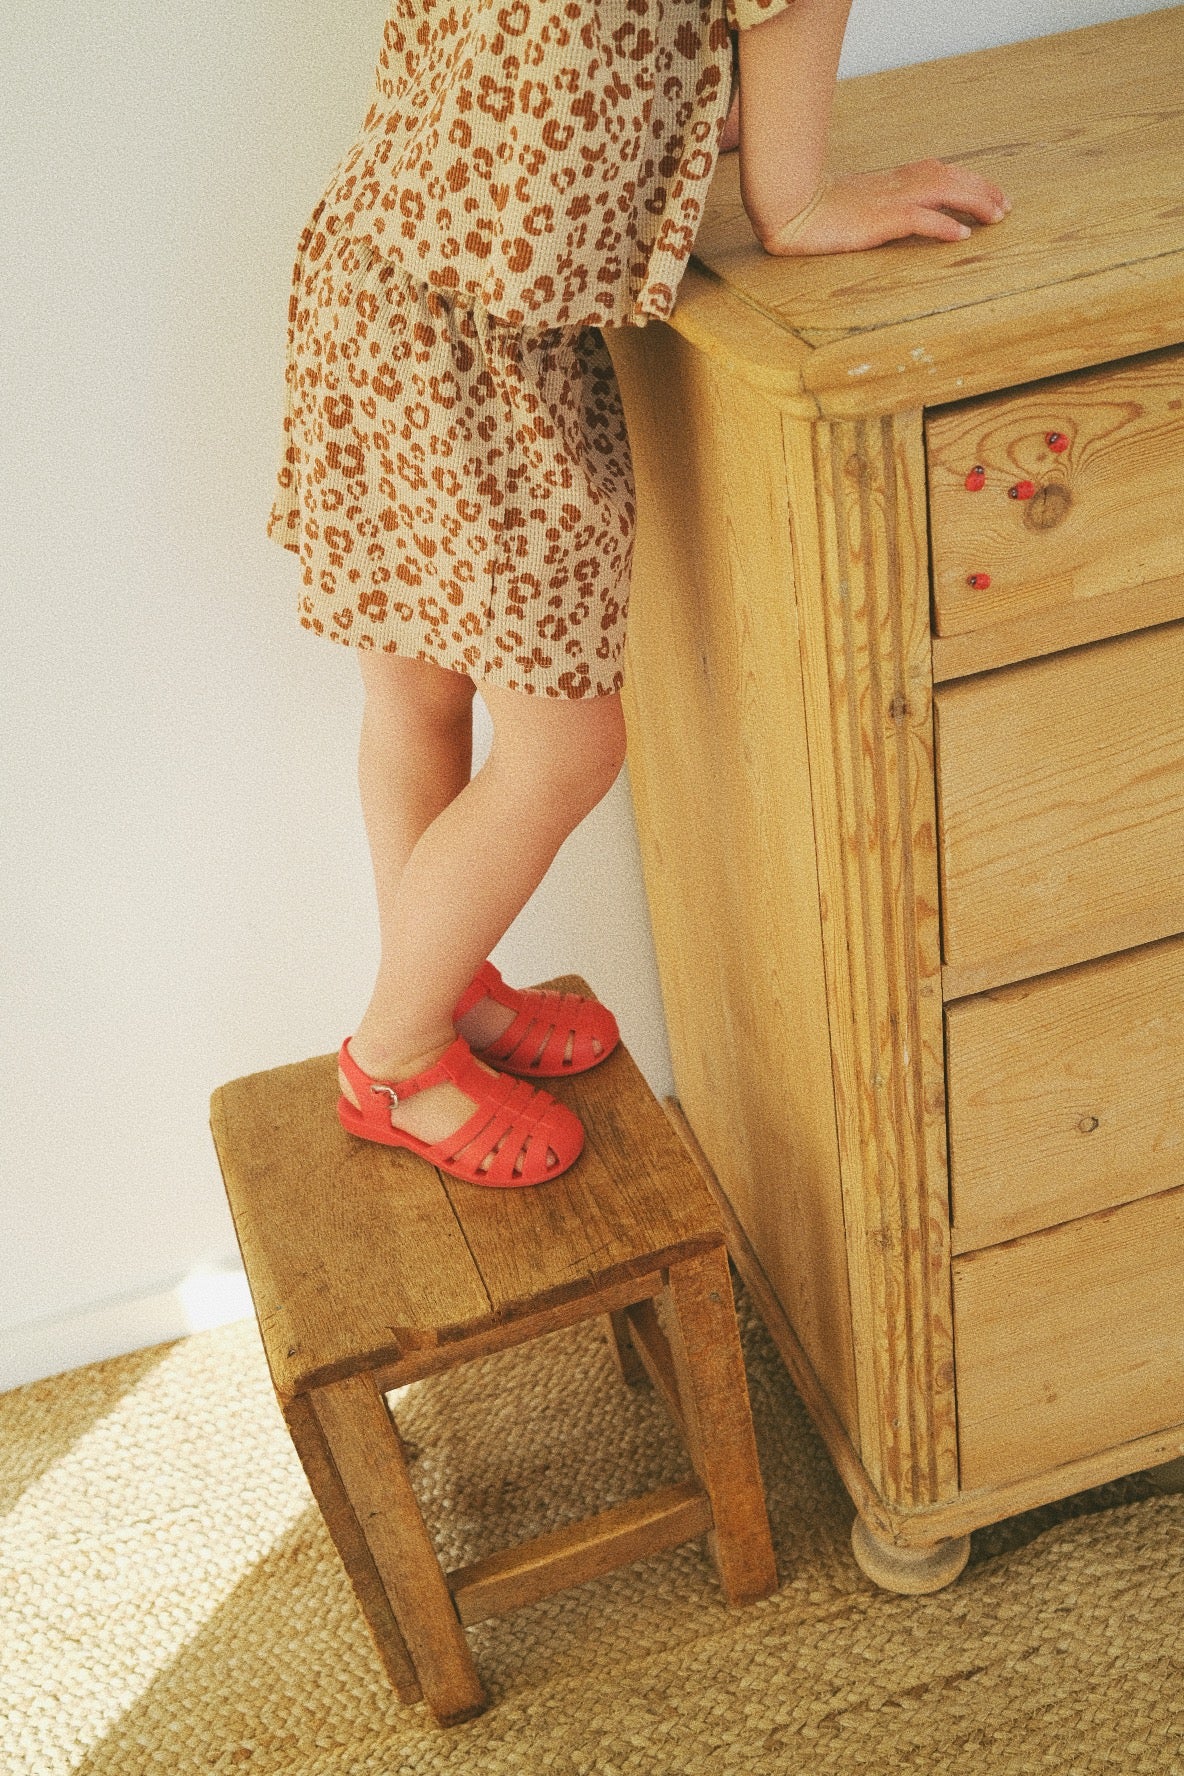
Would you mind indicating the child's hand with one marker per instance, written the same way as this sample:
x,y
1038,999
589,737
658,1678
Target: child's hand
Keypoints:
x,y
861,210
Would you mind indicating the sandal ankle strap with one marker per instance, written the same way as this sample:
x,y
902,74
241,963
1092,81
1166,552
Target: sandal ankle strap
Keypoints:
x,y
438,1073
486,979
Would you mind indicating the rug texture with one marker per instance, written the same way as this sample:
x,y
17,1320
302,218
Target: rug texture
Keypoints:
x,y
171,1602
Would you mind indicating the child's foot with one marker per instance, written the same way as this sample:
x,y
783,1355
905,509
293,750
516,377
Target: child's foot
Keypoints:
x,y
489,1017
484,1023
431,1114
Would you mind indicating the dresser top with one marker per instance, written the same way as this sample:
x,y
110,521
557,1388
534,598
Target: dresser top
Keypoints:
x,y
1083,129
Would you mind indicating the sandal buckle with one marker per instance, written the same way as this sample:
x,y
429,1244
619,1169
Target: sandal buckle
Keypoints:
x,y
390,1091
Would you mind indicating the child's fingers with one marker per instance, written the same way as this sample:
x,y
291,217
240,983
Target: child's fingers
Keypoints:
x,y
919,218
939,183
871,209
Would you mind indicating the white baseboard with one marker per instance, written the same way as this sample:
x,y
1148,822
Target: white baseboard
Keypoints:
x,y
207,1296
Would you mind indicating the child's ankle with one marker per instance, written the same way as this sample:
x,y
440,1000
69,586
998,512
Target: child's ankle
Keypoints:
x,y
382,1062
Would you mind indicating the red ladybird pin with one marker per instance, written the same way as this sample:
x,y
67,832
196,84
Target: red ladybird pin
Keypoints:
x,y
1021,490
1056,441
975,478
980,582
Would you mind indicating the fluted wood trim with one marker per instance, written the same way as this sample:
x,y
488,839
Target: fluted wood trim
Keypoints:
x,y
857,512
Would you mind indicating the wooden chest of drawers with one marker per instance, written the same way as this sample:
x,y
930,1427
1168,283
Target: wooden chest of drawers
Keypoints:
x,y
905,695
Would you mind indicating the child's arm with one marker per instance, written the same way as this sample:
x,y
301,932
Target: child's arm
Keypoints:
x,y
788,66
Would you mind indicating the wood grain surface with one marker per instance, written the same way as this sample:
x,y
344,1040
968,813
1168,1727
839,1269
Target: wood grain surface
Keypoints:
x,y
360,1256
652,1349
349,1538
325,1223
1066,1094
721,779
580,1551
1070,1341
368,1455
1105,517
1063,626
717,1423
1084,129
797,425
919,1526
785,803
633,1219
856,496
627,1207
1061,808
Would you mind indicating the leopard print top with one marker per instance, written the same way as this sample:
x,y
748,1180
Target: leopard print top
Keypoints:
x,y
547,160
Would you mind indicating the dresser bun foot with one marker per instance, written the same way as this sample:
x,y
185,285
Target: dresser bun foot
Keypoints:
x,y
1169,1477
908,1570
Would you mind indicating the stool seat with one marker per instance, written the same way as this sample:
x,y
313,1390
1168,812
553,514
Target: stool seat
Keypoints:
x,y
369,1269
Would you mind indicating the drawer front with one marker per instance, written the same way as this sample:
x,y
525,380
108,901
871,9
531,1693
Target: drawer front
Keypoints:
x,y
1105,515
1061,807
1066,1094
1069,1342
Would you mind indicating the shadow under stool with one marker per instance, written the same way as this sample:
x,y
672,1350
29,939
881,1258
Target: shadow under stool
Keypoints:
x,y
370,1269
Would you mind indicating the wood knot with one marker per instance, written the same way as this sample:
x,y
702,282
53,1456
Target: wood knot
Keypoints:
x,y
1087,1124
1047,506
898,708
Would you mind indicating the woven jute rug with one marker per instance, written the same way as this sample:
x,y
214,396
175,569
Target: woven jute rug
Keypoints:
x,y
172,1603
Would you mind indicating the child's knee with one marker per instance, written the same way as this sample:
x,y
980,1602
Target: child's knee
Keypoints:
x,y
573,789
591,766
593,742
607,740
568,755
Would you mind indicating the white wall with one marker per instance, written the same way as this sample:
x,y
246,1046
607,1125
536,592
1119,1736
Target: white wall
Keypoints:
x,y
895,33
188,894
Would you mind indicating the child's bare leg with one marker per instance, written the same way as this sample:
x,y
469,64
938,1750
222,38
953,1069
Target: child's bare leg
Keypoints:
x,y
469,874
415,754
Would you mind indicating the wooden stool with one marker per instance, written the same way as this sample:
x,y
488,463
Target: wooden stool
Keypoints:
x,y
368,1269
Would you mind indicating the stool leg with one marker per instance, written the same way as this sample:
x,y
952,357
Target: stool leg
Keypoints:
x,y
630,1365
343,1526
705,1345
368,1455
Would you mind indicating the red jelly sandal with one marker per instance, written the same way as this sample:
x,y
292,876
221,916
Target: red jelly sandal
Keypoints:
x,y
536,1042
531,1120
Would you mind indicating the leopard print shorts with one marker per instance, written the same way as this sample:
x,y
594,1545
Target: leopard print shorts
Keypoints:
x,y
456,489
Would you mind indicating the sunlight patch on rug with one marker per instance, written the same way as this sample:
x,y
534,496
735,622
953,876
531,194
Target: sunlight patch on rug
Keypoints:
x,y
115,1557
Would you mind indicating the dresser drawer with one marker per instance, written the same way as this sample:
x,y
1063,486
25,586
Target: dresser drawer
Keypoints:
x,y
1070,1341
1066,1094
1096,549
1060,802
